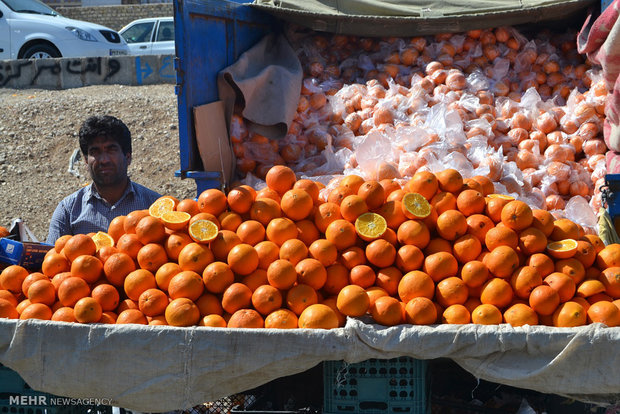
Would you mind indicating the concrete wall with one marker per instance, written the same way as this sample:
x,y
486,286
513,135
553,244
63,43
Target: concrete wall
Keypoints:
x,y
116,17
68,73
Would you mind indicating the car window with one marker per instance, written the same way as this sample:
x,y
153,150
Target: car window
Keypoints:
x,y
30,6
165,31
140,32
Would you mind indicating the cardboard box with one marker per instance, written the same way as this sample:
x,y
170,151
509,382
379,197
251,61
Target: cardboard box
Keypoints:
x,y
26,254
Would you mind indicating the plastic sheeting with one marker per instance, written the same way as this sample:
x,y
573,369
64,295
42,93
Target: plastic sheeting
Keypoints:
x,y
158,368
416,17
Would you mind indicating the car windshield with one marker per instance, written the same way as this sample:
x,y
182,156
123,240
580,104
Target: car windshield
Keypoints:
x,y
29,6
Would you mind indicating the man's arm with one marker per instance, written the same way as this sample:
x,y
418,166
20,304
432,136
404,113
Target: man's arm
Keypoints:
x,y
59,224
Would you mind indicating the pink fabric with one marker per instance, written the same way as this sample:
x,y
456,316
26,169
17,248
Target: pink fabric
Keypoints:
x,y
613,162
600,40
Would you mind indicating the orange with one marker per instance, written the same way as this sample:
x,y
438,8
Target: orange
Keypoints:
x,y
470,202
370,226
174,243
152,256
202,231
341,233
381,253
209,304
607,257
487,185
392,212
451,224
132,219
387,311
517,215
353,301
318,316
311,272
217,276
87,267
437,245
212,201
562,249
280,178
281,319
544,300
42,291
415,206
307,231
569,314
467,248
415,284
107,296
127,304
420,311
189,206
105,252
571,267
267,251
589,288
236,296
337,278
424,183
440,266
495,204
242,259
137,282
388,279
246,318
60,242
451,291
117,267
63,314
408,258
266,299
281,274
223,243
280,230
8,296
310,187
474,273
324,251
230,220
36,311
501,236
325,214
22,305
520,314
533,240
116,229
502,261
372,193
595,241
71,290
195,257
586,253
264,210
352,257
563,284
362,275
240,200
129,244
213,321
543,221
150,230
600,312
54,263
251,232
450,180
162,205
338,194
497,292
610,278
443,201
293,250
352,182
186,284
87,310
299,297
564,229
296,204
524,279
78,245
182,312
486,314
103,239
413,232
131,316
456,314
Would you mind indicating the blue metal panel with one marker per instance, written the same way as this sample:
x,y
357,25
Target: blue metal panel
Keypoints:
x,y
612,194
210,35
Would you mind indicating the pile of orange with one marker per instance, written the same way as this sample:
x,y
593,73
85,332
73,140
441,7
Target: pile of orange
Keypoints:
x,y
535,99
441,249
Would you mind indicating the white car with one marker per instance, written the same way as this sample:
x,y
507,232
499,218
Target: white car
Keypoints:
x,y
151,36
30,29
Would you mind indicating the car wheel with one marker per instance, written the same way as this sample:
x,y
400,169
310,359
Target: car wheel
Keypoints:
x,y
41,51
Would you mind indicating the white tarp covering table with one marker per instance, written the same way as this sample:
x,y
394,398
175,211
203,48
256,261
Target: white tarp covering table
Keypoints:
x,y
155,368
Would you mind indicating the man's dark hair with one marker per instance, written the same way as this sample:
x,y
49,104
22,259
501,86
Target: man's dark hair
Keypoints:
x,y
105,126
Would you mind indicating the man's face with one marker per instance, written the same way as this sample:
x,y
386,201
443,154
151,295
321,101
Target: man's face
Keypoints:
x,y
106,162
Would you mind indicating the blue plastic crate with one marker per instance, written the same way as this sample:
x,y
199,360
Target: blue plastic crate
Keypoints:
x,y
397,385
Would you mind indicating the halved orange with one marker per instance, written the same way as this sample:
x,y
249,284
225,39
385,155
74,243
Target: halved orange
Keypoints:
x,y
370,226
203,231
502,196
415,206
175,220
162,205
101,239
563,249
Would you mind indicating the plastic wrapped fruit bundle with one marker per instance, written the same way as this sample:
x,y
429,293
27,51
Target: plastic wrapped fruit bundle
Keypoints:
x,y
440,249
526,113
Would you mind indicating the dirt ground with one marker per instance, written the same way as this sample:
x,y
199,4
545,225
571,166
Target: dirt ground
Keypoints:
x,y
39,133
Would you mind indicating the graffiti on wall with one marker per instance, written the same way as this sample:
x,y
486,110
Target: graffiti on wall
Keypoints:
x,y
70,66
144,70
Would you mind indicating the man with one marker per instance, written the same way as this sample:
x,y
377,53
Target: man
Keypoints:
x,y
105,142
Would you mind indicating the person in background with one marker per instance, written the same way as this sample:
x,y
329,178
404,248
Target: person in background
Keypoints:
x,y
105,142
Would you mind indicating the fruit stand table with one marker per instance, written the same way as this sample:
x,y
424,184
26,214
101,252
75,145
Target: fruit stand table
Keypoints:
x,y
160,368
